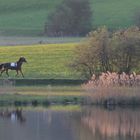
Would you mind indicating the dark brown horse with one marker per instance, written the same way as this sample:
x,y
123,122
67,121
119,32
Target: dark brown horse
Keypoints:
x,y
4,67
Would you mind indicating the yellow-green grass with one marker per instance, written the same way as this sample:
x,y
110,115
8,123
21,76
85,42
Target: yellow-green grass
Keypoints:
x,y
65,108
50,91
44,61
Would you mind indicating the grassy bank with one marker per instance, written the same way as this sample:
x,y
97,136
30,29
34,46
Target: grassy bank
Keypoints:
x,y
42,95
44,82
35,100
44,61
64,108
63,95
28,17
49,90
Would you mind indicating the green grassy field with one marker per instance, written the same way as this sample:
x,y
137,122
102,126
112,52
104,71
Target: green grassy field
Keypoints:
x,y
44,61
23,17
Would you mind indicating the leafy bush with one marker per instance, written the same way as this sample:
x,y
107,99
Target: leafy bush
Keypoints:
x,y
104,51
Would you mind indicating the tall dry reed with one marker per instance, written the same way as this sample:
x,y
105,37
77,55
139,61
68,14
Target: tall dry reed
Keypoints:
x,y
113,85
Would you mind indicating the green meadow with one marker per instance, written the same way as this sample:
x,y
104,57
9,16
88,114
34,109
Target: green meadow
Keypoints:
x,y
44,61
24,17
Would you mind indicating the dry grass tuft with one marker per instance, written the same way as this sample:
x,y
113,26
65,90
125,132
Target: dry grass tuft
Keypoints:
x,y
120,87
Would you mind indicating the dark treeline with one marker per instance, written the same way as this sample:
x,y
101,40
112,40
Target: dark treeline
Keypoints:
x,y
71,18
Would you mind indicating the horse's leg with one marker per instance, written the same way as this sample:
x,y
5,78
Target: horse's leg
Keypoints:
x,y
7,72
2,72
21,73
17,72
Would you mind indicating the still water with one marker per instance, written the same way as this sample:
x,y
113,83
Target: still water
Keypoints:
x,y
84,123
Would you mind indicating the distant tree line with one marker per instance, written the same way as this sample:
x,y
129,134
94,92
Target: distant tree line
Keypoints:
x,y
104,51
71,18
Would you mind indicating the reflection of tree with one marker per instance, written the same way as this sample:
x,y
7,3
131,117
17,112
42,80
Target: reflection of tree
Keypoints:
x,y
120,124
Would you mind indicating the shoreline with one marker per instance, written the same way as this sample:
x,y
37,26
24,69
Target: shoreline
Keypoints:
x,y
41,81
48,100
35,100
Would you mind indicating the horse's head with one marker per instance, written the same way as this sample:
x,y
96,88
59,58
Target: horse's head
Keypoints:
x,y
22,59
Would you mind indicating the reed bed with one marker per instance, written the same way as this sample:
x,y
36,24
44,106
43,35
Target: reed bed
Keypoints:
x,y
113,88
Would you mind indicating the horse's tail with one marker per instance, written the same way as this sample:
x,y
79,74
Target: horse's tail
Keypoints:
x,y
1,66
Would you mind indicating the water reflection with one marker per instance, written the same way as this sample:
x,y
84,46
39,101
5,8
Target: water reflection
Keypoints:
x,y
13,115
41,124
86,124
119,124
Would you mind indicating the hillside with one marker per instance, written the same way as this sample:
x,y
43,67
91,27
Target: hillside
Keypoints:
x,y
44,61
27,17
24,16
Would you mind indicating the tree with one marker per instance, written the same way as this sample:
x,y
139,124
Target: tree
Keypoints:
x,y
104,51
126,49
92,56
72,18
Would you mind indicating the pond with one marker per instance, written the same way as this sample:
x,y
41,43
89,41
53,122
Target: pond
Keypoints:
x,y
69,123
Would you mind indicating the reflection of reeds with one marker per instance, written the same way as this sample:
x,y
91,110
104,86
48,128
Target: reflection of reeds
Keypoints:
x,y
7,86
112,85
116,123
